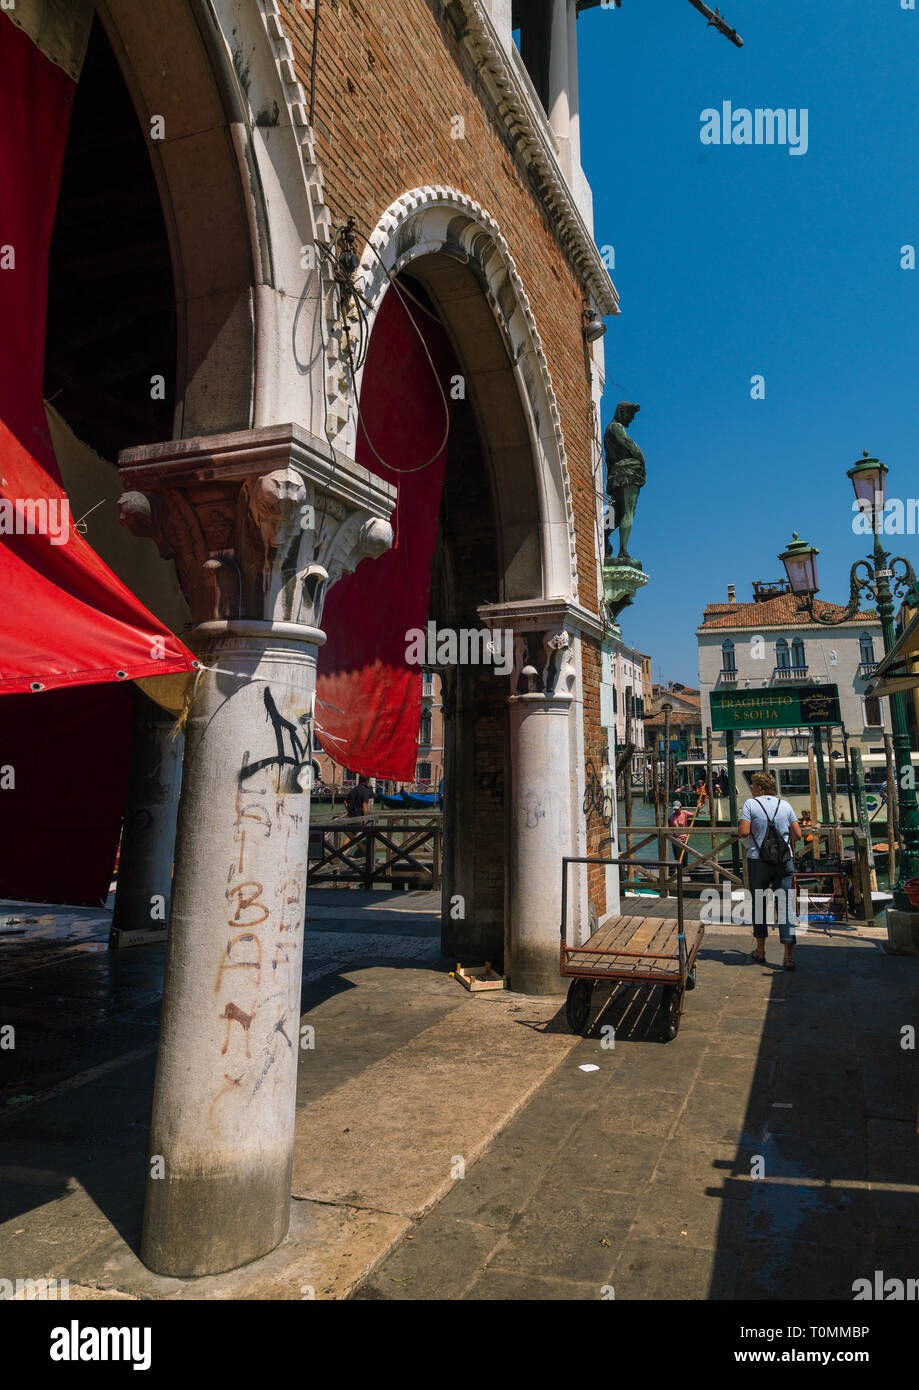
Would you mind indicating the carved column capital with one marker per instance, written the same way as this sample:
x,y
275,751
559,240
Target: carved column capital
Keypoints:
x,y
259,523
546,635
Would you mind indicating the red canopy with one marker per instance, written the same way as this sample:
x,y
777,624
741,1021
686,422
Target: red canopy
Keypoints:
x,y
65,619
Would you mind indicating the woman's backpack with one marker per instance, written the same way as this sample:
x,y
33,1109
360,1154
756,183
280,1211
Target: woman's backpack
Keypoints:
x,y
772,850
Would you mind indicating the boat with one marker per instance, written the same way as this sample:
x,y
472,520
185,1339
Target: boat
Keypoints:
x,y
409,799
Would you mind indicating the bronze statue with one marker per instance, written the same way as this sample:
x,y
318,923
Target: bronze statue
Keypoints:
x,y
625,477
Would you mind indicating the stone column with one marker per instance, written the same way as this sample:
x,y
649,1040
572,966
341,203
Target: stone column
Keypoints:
x,y
558,109
148,839
574,111
544,797
260,524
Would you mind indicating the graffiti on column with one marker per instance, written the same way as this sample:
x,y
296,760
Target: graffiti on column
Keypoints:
x,y
254,988
283,730
493,783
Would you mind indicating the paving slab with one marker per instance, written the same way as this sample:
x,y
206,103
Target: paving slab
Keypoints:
x,y
398,1136
501,1286
651,1269
567,1233
440,1261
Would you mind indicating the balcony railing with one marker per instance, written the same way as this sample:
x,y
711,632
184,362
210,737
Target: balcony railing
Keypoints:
x,y
790,673
866,669
728,676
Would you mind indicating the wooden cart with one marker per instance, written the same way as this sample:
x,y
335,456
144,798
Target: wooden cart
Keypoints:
x,y
634,950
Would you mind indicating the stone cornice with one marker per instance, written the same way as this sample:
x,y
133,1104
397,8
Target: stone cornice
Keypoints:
x,y
806,625
544,613
530,133
241,453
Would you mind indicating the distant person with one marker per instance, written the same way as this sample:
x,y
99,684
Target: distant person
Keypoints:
x,y
676,820
359,800
770,828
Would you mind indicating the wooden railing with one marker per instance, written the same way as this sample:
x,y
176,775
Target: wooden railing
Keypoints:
x,y
382,848
663,880
849,842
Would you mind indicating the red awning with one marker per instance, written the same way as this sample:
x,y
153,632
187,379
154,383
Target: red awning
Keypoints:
x,y
66,618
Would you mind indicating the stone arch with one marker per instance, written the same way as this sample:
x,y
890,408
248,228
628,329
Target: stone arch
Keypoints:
x,y
455,248
241,194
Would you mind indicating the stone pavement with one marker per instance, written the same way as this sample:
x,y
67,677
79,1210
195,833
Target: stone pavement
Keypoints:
x,y
770,1151
407,1071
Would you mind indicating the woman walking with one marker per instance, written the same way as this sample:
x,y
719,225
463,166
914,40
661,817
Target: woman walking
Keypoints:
x,y
771,828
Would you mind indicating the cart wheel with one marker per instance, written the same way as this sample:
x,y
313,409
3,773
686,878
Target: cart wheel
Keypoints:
x,y
670,1013
691,979
577,1005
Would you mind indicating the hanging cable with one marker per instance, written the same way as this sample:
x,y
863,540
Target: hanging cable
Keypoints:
x,y
404,294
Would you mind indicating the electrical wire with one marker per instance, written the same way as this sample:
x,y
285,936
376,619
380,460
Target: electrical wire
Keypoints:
x,y
404,294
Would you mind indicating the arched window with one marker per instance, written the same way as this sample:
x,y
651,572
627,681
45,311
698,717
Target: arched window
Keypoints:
x,y
728,662
866,649
798,657
781,654
424,733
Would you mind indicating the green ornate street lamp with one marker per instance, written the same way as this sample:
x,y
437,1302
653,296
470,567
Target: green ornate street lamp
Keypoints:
x,y
800,560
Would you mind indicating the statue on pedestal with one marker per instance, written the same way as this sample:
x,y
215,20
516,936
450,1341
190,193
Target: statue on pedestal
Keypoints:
x,y
625,477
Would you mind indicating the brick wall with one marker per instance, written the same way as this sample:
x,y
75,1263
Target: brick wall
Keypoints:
x,y
390,80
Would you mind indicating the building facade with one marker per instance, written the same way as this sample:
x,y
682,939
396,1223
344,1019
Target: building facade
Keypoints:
x,y
770,643
628,700
686,729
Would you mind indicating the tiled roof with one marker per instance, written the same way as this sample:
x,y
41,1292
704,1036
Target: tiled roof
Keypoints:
x,y
678,718
781,611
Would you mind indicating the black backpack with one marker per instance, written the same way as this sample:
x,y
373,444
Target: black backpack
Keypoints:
x,y
772,850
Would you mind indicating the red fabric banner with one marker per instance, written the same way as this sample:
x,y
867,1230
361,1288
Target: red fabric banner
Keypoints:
x,y
65,620
368,696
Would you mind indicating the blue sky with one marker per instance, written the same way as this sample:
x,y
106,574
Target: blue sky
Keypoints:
x,y
738,260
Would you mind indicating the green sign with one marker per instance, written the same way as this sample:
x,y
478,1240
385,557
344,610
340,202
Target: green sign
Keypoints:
x,y
782,707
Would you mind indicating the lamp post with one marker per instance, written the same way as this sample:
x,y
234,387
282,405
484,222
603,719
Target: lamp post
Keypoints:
x,y
868,477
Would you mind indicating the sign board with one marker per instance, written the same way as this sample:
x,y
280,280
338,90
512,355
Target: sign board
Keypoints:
x,y
775,707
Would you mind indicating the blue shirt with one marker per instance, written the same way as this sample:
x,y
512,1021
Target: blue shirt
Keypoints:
x,y
758,812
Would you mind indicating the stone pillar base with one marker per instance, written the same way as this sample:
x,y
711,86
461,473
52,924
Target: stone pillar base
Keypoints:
x,y
903,932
